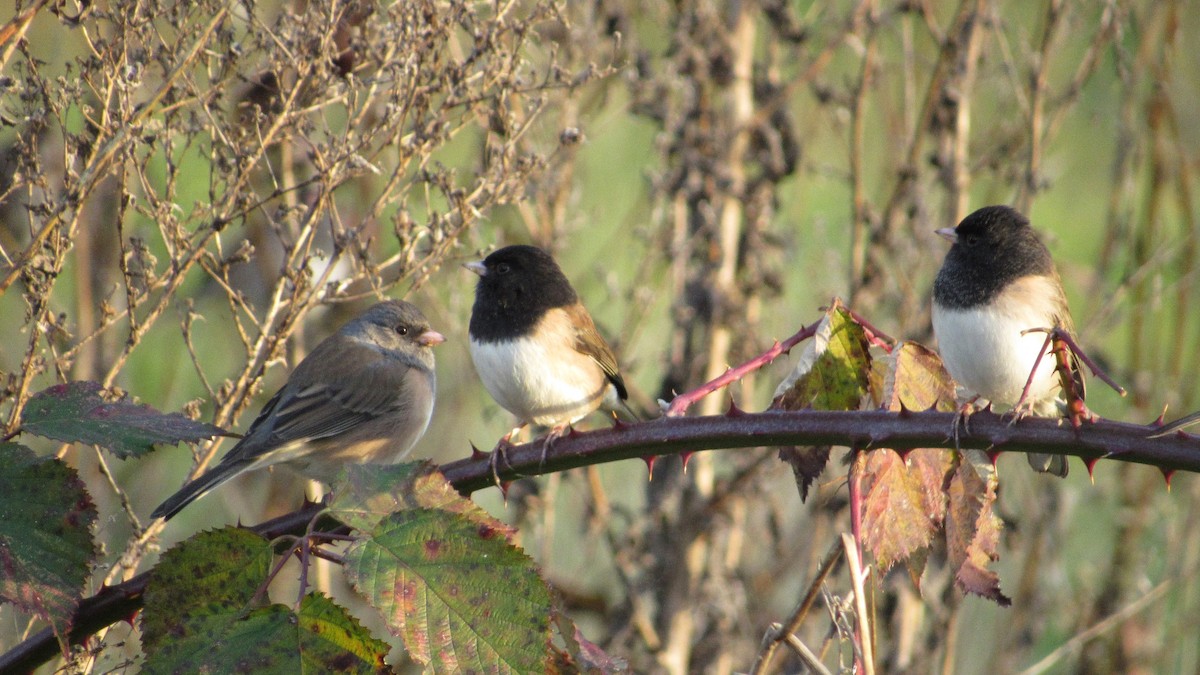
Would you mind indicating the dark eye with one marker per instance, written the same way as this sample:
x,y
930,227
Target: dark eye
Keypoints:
x,y
402,330
503,268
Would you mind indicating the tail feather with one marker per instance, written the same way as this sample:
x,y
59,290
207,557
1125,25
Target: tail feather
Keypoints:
x,y
1052,464
1181,423
197,489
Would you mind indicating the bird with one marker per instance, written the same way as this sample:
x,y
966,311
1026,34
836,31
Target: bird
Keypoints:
x,y
996,287
535,346
364,395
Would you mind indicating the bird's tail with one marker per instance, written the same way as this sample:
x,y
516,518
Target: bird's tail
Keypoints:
x,y
1181,423
1052,464
198,488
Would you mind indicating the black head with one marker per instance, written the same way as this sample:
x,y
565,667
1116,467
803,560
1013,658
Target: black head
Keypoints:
x,y
517,285
992,247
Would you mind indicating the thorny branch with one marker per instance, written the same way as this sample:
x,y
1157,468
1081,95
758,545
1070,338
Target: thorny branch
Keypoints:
x,y
1103,439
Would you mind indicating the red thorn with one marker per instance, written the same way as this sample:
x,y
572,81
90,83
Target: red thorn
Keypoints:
x,y
1162,418
131,618
994,455
504,485
903,412
477,454
734,410
619,424
572,433
649,460
685,456
1167,475
1090,462
904,454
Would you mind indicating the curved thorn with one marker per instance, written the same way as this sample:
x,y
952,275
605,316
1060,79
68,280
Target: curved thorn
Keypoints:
x,y
649,460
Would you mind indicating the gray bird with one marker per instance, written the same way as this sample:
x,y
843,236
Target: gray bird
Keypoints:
x,y
364,395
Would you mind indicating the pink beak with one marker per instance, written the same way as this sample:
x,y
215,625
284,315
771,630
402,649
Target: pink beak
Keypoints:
x,y
477,268
430,338
948,234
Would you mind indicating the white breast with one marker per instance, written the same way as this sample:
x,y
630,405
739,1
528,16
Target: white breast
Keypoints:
x,y
985,352
538,380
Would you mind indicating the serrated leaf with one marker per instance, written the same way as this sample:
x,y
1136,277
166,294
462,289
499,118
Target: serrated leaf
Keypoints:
x,y
320,638
200,616
75,412
903,502
973,528
329,636
917,380
807,463
46,546
832,371
460,596
214,573
365,494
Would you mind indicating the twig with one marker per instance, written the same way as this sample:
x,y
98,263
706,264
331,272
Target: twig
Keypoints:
x,y
1112,621
681,403
857,577
780,632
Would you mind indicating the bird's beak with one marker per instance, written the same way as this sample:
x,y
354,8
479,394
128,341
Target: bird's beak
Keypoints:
x,y
948,234
476,267
430,338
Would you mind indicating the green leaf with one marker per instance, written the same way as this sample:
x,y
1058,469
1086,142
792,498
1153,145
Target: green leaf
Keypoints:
x,y
832,371
76,413
364,495
216,572
200,616
46,546
460,596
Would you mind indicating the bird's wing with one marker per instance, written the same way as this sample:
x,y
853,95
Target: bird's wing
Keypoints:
x,y
1062,319
588,341
367,384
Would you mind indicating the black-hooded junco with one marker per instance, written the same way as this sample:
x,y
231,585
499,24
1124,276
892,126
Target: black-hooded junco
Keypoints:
x,y
997,281
534,344
364,395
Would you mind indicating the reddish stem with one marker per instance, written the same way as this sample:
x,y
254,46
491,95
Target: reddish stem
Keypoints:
x,y
1082,355
681,403
874,335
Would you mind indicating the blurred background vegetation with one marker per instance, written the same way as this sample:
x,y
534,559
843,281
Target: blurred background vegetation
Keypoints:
x,y
192,194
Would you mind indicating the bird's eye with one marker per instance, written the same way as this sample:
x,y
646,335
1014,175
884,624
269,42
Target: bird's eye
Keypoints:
x,y
503,268
402,330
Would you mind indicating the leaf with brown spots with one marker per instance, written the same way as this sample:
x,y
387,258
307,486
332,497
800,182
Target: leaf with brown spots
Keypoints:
x,y
78,412
917,380
973,529
832,373
903,502
46,546
460,596
201,616
365,494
